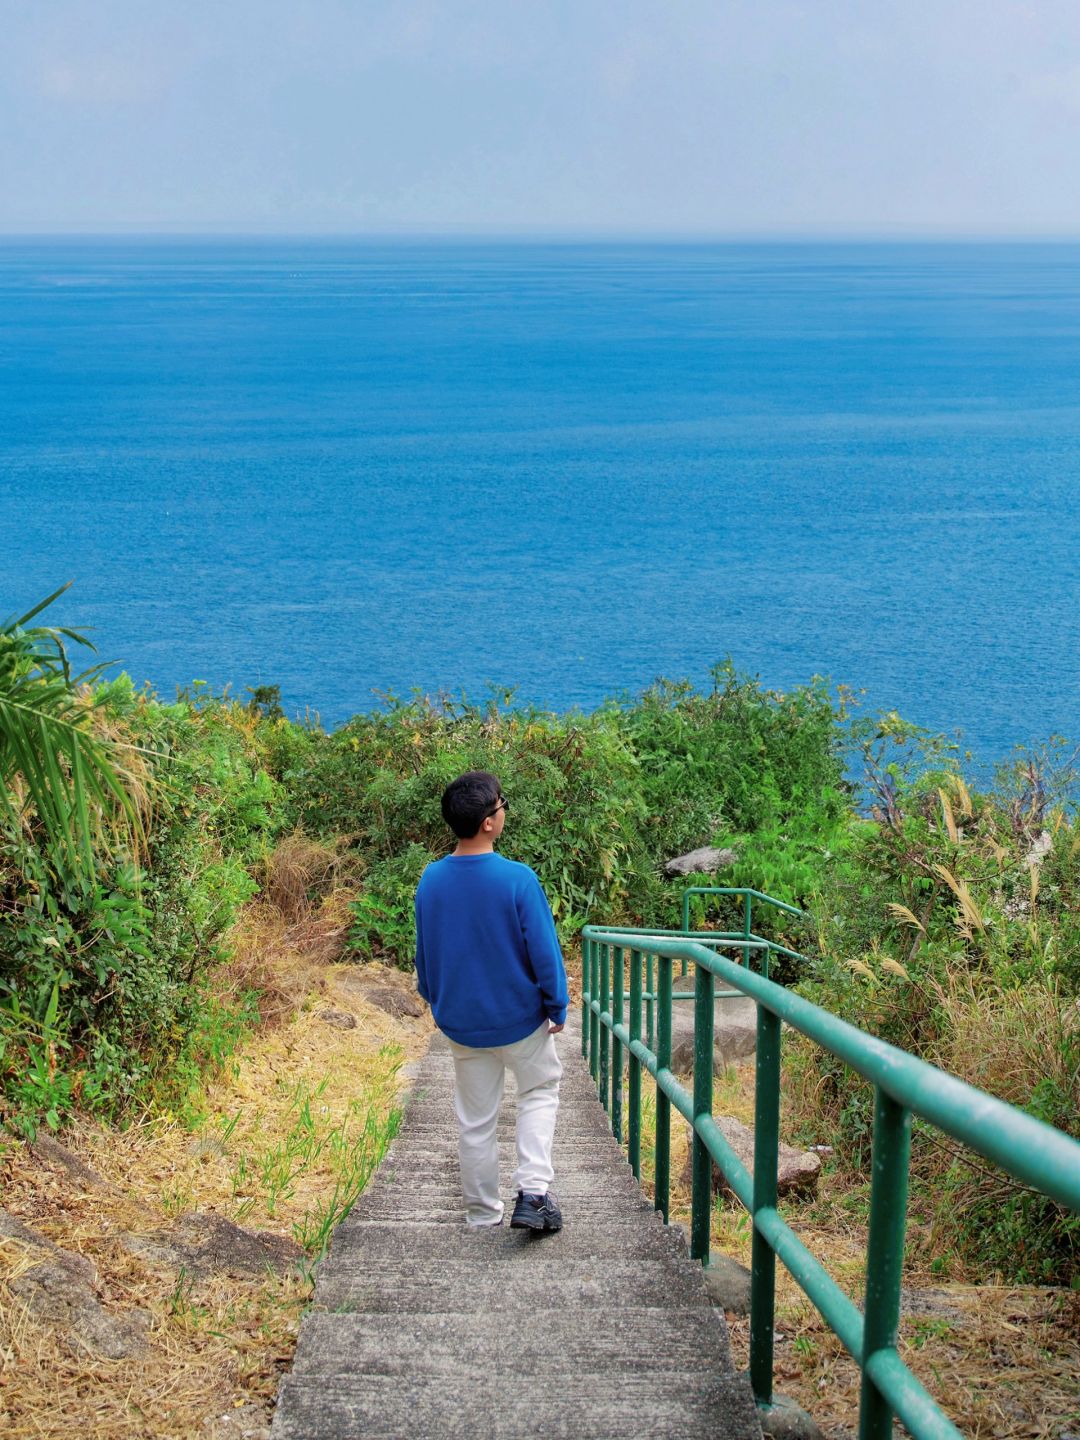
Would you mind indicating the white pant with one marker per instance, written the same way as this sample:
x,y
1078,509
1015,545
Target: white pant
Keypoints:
x,y
479,1076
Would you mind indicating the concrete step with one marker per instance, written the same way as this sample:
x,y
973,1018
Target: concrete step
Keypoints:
x,y
422,1328
533,1279
430,1206
438,1105
407,1243
589,1406
582,1154
442,1179
642,1339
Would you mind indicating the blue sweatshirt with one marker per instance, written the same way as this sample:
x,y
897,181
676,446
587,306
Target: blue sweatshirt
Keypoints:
x,y
487,957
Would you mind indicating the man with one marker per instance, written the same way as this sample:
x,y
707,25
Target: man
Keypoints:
x,y
488,963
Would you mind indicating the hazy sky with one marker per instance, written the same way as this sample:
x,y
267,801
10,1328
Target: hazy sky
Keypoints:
x,y
716,116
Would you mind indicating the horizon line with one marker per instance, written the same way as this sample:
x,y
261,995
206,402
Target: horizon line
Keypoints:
x,y
560,235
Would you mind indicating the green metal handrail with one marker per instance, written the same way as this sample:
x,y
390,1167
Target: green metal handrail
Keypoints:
x,y
707,937
1027,1149
748,898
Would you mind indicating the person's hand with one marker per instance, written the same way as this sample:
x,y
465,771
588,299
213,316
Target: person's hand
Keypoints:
x,y
555,1029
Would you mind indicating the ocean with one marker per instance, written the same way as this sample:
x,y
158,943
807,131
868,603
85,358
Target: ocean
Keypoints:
x,y
354,469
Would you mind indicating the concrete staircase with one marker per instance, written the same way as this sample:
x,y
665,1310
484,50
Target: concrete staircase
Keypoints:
x,y
423,1329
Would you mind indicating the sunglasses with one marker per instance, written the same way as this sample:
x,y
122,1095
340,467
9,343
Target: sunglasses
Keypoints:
x,y
504,804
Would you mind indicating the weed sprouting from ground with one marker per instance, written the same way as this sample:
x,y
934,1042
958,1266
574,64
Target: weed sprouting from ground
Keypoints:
x,y
345,1145
357,1146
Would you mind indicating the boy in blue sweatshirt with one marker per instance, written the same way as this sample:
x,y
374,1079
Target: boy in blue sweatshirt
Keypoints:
x,y
488,963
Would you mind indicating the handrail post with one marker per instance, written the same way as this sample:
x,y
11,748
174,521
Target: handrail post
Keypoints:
x,y
766,1154
650,1001
662,1173
618,981
586,963
594,1017
634,1078
686,931
605,1033
701,1213
884,1253
748,930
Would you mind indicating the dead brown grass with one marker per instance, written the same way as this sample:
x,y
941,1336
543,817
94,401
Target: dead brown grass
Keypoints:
x,y
216,1347
283,956
1007,1042
1001,1361
298,873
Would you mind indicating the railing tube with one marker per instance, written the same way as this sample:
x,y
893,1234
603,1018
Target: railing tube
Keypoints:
x,y
634,1066
762,1256
662,1173
594,1014
586,961
701,1213
650,1002
1046,1159
605,1033
884,1253
618,981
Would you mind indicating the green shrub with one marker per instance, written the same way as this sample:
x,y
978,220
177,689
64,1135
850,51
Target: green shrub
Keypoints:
x,y
938,931
126,948
598,802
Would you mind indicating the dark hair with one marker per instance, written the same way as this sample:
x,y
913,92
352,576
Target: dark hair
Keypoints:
x,y
468,800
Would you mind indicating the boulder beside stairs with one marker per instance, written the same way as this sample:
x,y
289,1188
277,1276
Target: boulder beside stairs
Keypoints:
x,y
797,1172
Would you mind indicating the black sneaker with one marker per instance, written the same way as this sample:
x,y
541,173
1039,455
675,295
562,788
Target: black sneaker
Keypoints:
x,y
536,1212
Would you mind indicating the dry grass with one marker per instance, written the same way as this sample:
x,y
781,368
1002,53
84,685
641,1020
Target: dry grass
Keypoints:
x,y
1008,1042
298,872
264,1156
1001,1361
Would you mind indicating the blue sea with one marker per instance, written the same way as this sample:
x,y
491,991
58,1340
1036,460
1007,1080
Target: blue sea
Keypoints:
x,y
354,468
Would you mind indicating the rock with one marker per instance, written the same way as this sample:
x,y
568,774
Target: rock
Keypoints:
x,y
783,1420
203,1243
728,1284
705,861
48,1151
928,1302
12,1229
340,1018
397,1003
1040,848
797,1170
245,1422
734,1030
60,1289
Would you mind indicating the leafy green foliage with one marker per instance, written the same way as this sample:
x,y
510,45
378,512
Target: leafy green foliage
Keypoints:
x,y
598,802
104,970
943,920
947,927
52,760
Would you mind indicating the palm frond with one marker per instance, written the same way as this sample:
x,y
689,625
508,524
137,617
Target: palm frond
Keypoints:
x,y
51,760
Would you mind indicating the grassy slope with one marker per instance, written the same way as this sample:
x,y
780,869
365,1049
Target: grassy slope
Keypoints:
x,y
292,1115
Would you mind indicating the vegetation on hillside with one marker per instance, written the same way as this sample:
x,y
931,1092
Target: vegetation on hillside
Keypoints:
x,y
133,832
